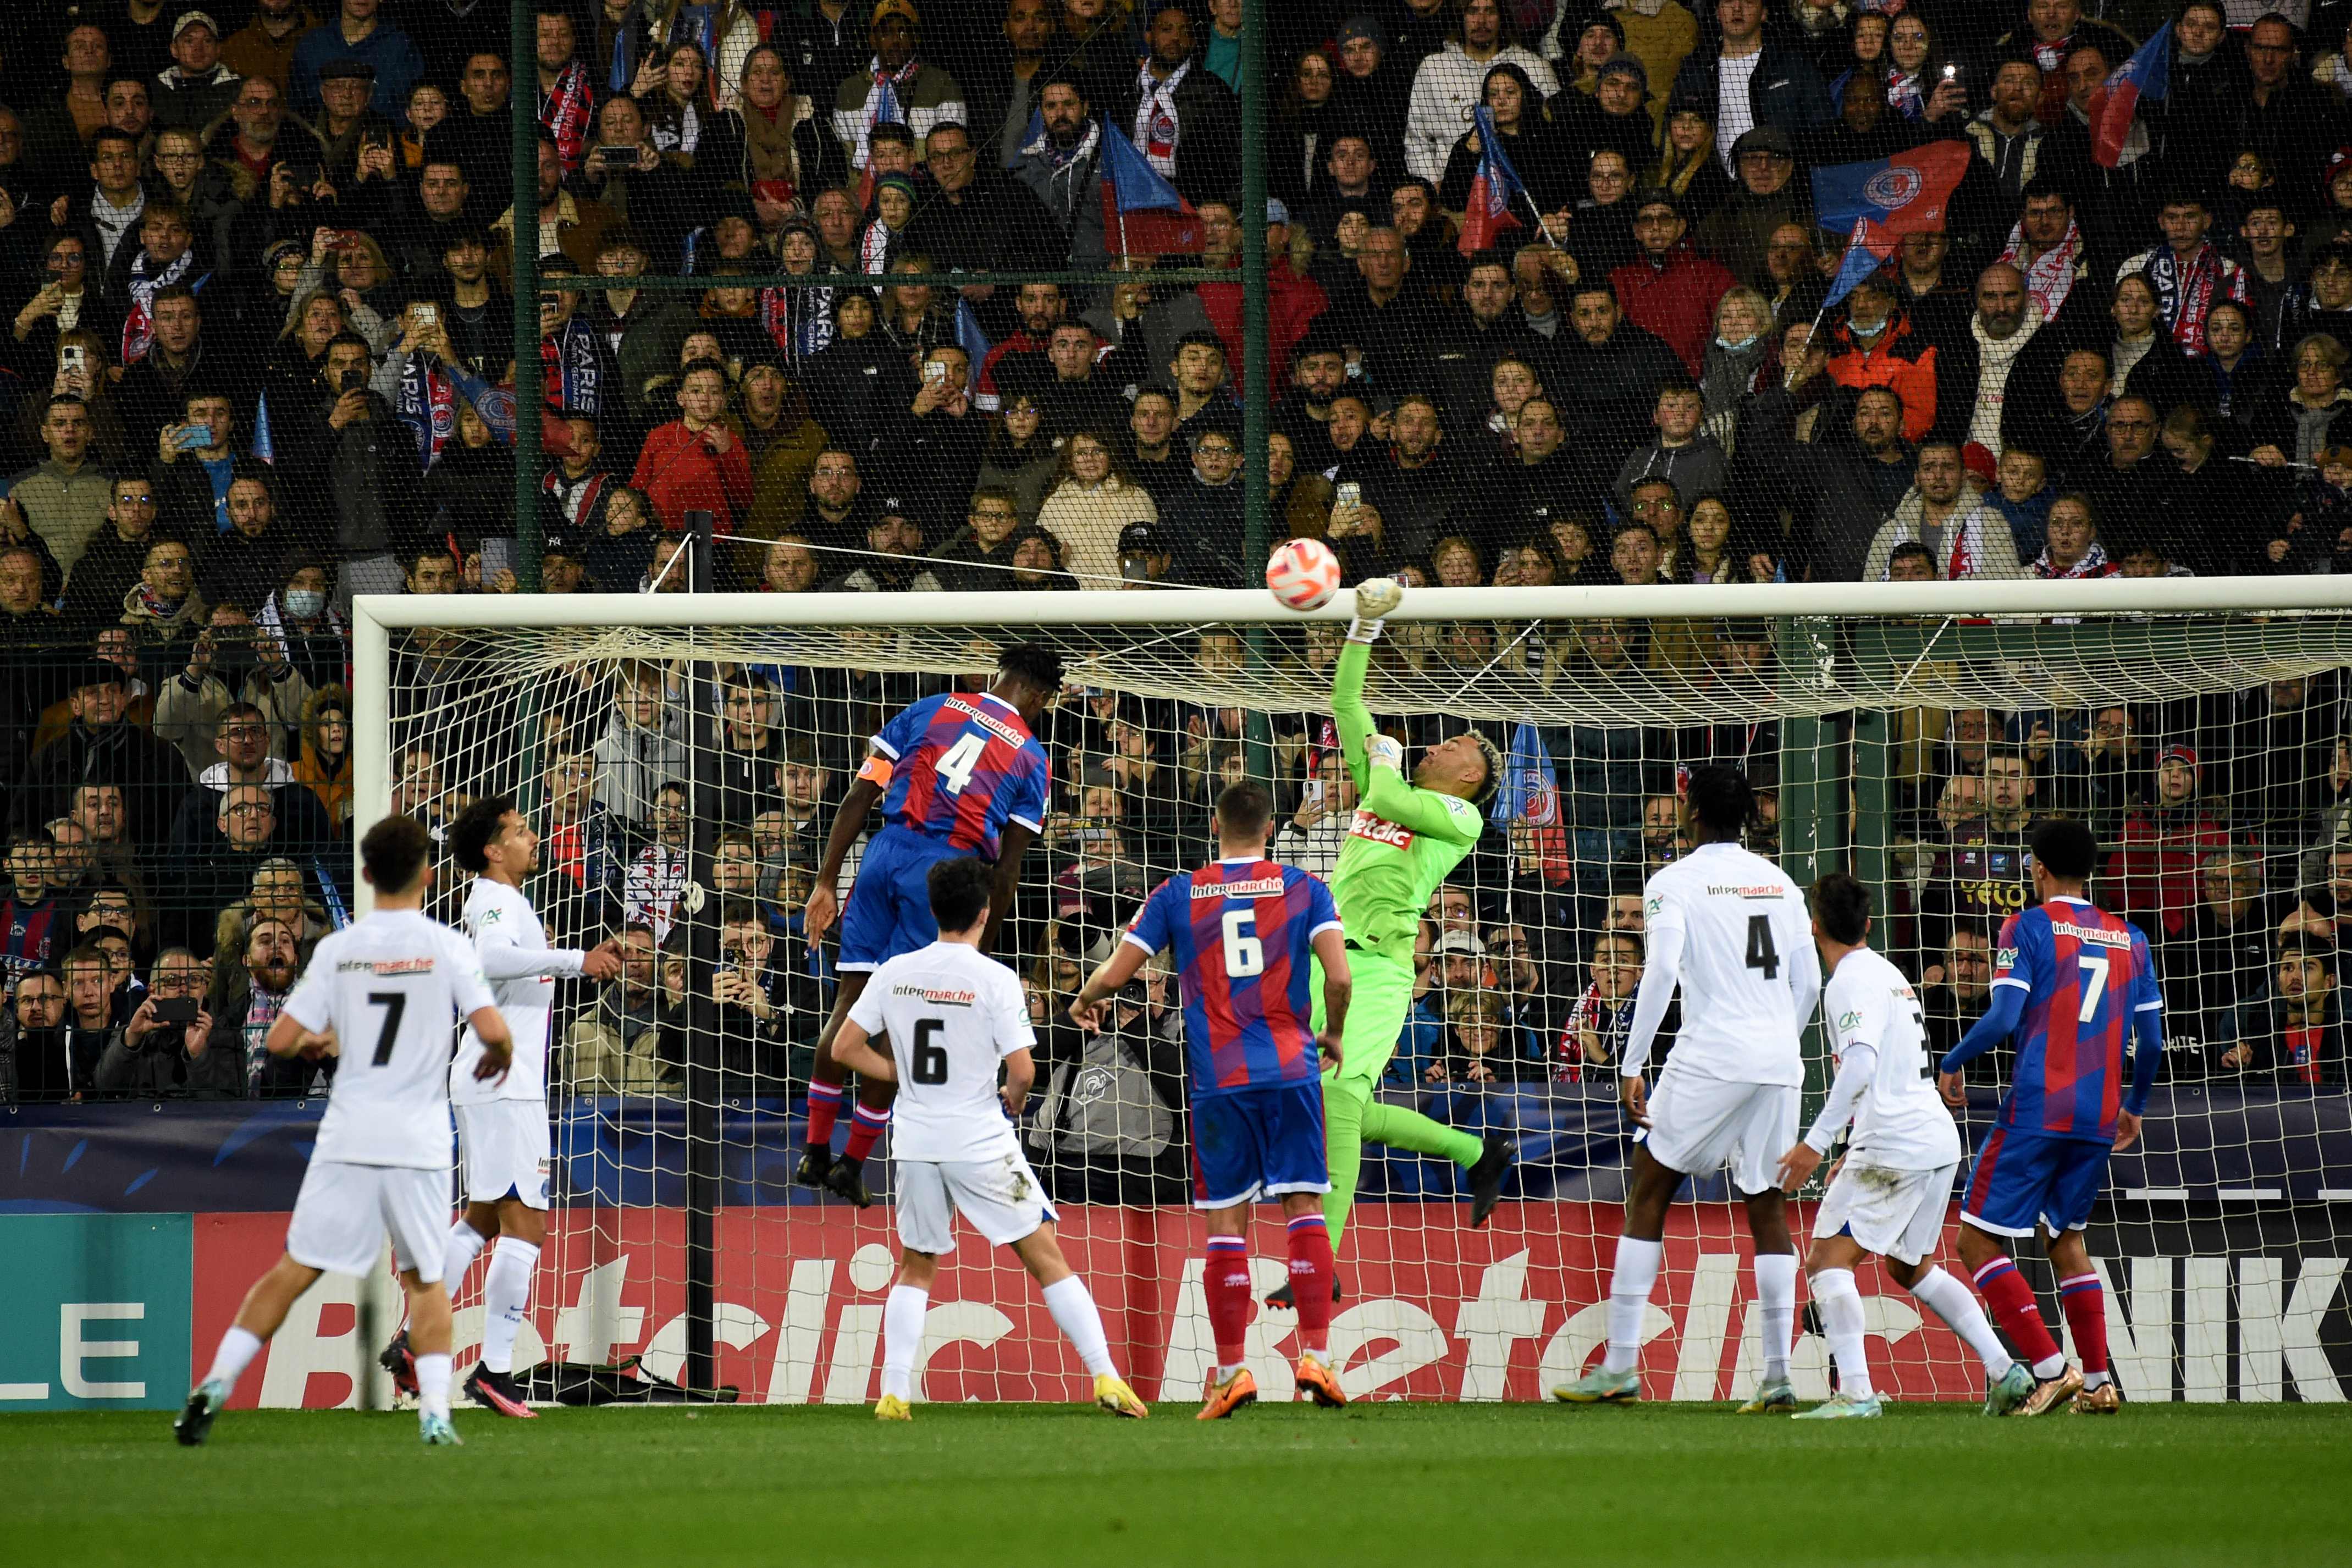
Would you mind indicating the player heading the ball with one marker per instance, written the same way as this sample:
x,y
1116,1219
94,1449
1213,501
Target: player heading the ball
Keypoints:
x,y
389,983
1247,934
957,774
951,1016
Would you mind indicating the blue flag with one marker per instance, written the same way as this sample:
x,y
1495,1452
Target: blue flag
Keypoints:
x,y
262,448
973,341
1530,789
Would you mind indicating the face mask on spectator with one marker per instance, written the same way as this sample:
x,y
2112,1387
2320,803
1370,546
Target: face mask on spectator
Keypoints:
x,y
302,604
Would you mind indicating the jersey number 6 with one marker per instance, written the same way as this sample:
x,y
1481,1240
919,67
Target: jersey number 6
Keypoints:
x,y
929,1063
1244,953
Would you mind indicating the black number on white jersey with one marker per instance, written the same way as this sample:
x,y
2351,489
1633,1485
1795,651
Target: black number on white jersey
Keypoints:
x,y
929,1063
1761,953
395,1004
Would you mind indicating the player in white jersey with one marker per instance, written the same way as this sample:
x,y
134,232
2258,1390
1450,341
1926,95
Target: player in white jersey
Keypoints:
x,y
389,987
1889,1195
502,1136
1730,928
953,1016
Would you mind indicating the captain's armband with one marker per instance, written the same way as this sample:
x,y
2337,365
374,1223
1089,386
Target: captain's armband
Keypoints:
x,y
876,770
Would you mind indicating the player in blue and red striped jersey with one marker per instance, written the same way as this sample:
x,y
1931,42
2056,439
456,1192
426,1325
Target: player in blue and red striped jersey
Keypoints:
x,y
2070,981
1245,934
959,773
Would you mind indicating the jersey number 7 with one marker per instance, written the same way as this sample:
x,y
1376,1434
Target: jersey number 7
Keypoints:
x,y
395,1004
2096,968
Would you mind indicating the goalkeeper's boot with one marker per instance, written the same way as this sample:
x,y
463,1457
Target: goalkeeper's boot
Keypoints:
x,y
1113,1394
1601,1387
817,1163
1841,1406
2105,1400
1773,1393
2004,1394
195,1422
1486,1177
890,1407
1282,1298
2050,1392
401,1362
1314,1379
847,1181
497,1391
1220,1400
435,1432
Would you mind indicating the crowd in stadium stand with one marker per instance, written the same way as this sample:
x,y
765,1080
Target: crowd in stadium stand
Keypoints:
x,y
257,356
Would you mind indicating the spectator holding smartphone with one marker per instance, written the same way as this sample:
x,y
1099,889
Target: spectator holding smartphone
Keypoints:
x,y
147,1056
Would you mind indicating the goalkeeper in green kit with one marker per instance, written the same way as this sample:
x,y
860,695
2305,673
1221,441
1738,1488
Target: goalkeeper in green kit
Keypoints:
x,y
1406,839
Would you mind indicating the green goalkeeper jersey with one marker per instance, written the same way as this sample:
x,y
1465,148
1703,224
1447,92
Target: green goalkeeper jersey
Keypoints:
x,y
1402,841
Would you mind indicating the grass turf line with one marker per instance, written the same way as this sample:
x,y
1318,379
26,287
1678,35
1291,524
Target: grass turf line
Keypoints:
x,y
1057,1484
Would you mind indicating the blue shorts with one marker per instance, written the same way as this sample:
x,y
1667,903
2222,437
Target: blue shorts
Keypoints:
x,y
889,908
2021,1176
1258,1144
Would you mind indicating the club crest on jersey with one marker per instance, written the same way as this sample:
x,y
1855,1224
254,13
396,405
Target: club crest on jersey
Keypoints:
x,y
1849,1020
1653,905
2005,958
1379,830
492,916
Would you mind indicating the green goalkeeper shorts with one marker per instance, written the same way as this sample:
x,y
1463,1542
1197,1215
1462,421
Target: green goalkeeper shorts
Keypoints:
x,y
1380,997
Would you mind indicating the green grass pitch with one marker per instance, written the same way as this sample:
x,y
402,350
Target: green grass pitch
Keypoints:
x,y
1047,1486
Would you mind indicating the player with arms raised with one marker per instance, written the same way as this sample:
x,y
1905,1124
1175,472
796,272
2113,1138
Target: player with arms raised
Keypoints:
x,y
1245,933
1406,837
389,983
2069,979
956,775
503,1133
1730,928
953,1016
1889,1193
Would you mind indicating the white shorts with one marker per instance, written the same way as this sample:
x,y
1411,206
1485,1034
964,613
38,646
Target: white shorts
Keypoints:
x,y
342,1212
1001,1197
503,1148
1701,1125
1894,1214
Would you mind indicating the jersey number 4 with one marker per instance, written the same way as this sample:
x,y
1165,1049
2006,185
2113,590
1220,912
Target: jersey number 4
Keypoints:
x,y
395,1004
955,764
930,1062
1761,953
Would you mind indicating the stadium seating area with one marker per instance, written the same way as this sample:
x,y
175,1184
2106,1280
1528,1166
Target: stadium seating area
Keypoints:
x,y
258,356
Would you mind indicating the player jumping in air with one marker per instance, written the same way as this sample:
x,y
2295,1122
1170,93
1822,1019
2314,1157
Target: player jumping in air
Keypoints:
x,y
951,1016
1888,1195
1732,929
956,775
389,984
502,1134
2069,973
1406,837
1246,932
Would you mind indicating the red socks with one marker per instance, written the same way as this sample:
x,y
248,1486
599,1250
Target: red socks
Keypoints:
x,y
1226,1281
823,1109
1310,1281
2012,1302
865,1126
2084,1302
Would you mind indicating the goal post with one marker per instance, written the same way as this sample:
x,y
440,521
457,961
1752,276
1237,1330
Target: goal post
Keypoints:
x,y
1909,733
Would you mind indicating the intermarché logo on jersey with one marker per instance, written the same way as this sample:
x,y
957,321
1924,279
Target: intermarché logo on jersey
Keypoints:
x,y
1380,830
1763,890
941,995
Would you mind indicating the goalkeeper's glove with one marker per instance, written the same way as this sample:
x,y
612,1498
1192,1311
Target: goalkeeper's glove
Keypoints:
x,y
1384,752
1378,596
1364,631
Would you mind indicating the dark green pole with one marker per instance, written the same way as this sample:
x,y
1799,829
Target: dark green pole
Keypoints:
x,y
528,397
1255,394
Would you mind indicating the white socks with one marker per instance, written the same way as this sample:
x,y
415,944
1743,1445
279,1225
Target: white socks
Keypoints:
x,y
458,1255
1841,1303
433,1384
1776,1295
902,1338
506,1294
237,1349
1964,1315
1629,1298
1073,1307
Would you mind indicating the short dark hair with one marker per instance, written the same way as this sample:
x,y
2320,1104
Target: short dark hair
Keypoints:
x,y
1841,904
1244,807
1035,663
394,852
2068,849
1721,798
959,889
476,829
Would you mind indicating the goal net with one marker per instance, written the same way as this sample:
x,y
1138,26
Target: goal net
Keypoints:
x,y
1912,736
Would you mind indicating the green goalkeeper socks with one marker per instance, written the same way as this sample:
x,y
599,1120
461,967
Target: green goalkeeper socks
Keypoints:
x,y
1401,1129
1343,1151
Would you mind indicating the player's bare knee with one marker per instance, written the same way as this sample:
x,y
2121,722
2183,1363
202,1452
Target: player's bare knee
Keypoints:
x,y
519,1220
1979,1247
918,1268
1767,1220
485,1217
1041,1254
2067,1252
1903,1274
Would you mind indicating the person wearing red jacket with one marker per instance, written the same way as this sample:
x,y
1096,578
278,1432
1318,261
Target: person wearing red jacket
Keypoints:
x,y
1670,290
2165,842
1876,345
697,460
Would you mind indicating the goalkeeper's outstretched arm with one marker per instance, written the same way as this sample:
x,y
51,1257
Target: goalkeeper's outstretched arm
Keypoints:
x,y
1374,598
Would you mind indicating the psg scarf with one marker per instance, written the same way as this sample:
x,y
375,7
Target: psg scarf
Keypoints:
x,y
574,373
565,112
427,404
1157,126
139,323
799,321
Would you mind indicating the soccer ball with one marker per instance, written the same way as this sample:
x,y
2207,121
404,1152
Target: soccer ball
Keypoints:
x,y
1303,574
